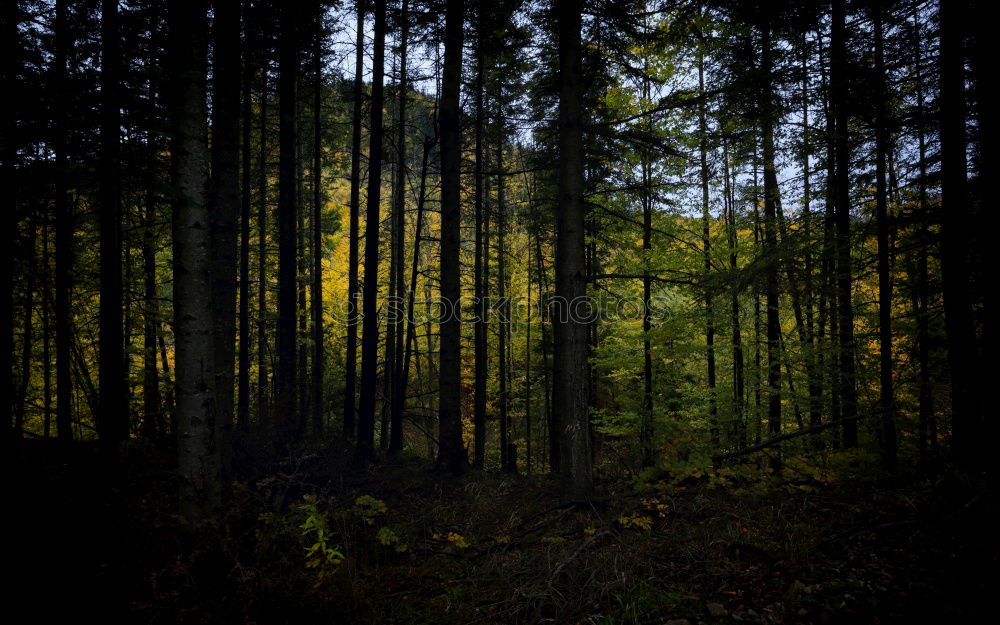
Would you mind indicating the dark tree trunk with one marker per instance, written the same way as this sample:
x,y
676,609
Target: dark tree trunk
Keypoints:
x,y
739,425
645,429
571,331
928,436
411,330
152,419
113,426
8,145
286,410
771,255
713,411
506,461
955,275
451,451
369,339
842,218
318,402
886,398
262,383
243,367
64,233
480,343
27,342
198,460
224,205
399,217
350,375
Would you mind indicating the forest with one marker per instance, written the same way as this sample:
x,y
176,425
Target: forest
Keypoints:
x,y
524,311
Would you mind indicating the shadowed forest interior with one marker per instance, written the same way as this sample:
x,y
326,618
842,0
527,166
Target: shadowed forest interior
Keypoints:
x,y
524,311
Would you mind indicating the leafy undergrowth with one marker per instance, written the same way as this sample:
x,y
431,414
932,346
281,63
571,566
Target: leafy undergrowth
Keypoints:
x,y
313,542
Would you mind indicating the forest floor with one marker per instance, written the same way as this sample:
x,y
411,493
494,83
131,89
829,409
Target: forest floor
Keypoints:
x,y
313,542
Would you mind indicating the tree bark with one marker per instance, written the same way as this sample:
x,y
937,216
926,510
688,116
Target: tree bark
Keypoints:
x,y
224,206
955,274
399,227
198,460
886,398
369,339
113,425
64,233
286,413
571,331
451,451
842,219
316,302
351,358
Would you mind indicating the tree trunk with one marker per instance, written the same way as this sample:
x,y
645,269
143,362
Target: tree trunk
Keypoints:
x,y
152,419
286,413
480,343
369,339
262,206
771,254
842,217
886,398
955,274
398,391
64,233
243,367
224,205
571,331
198,460
713,411
351,358
451,451
113,426
316,303
8,157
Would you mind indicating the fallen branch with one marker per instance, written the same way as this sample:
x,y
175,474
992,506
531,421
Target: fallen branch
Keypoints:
x,y
784,437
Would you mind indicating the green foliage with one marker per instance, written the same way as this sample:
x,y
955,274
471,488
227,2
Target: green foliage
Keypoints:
x,y
320,556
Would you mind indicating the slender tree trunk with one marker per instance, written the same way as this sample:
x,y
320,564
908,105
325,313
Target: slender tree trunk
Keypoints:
x,y
713,411
302,350
814,371
451,451
739,426
224,206
369,339
243,367
286,415
198,460
480,343
318,364
262,383
886,399
398,390
8,156
571,331
828,300
64,233
414,270
112,417
645,430
955,274
350,375
927,421
27,342
153,425
46,334
503,334
845,305
771,254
